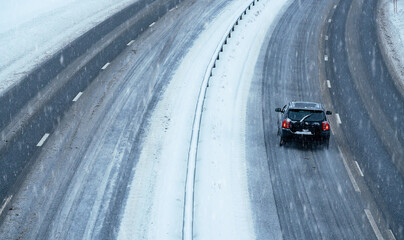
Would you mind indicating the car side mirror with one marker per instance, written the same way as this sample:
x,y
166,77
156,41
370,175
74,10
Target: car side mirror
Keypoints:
x,y
278,110
328,113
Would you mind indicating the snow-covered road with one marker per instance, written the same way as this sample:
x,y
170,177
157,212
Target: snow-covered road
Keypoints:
x,y
80,180
117,164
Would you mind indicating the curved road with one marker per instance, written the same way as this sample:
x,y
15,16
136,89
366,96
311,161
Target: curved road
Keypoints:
x,y
314,195
370,105
80,182
78,185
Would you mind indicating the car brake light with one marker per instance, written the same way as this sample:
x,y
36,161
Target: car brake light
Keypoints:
x,y
326,126
286,123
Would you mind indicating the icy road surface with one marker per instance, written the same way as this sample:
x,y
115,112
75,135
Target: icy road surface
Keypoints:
x,y
78,186
116,166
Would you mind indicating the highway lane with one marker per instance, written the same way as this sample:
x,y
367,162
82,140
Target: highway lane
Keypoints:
x,y
370,105
78,184
314,195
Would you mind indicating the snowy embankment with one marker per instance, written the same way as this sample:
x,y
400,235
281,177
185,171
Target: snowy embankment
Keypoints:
x,y
32,105
31,32
391,35
222,198
221,208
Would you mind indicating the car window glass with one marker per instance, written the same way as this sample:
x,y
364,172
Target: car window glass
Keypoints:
x,y
297,115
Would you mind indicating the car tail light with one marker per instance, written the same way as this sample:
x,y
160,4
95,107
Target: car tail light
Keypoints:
x,y
286,123
326,126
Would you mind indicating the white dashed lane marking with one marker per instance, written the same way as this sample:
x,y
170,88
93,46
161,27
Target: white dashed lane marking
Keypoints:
x,y
105,66
391,235
77,97
5,204
328,84
359,169
355,185
43,139
130,43
151,25
373,224
338,118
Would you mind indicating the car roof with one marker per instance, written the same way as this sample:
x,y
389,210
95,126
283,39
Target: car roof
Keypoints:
x,y
306,106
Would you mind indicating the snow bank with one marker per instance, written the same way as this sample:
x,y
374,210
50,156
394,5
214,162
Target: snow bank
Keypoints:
x,y
391,34
222,203
32,31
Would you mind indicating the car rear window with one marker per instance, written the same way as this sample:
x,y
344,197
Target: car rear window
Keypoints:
x,y
297,115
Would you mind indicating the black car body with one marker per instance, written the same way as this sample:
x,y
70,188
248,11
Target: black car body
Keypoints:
x,y
305,121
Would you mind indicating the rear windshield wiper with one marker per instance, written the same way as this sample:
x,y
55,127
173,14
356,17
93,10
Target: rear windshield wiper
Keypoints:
x,y
304,118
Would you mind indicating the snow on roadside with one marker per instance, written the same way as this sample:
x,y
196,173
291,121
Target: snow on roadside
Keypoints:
x,y
391,34
154,208
31,31
222,204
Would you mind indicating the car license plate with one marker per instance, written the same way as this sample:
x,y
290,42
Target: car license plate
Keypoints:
x,y
304,132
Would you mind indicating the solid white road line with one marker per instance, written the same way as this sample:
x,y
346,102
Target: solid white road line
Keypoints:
x,y
105,66
43,139
328,84
325,58
5,203
355,185
130,43
373,224
359,169
77,96
391,235
338,118
151,25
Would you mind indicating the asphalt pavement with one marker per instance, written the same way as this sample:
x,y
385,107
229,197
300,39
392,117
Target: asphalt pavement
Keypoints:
x,y
314,195
370,105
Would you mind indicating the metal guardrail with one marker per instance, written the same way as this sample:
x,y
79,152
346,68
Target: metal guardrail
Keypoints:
x,y
187,229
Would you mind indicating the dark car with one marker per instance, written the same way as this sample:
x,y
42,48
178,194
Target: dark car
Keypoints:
x,y
303,121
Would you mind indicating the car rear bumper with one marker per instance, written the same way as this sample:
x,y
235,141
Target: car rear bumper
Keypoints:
x,y
288,135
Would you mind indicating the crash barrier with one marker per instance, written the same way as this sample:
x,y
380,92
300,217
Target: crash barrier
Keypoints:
x,y
17,149
190,180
